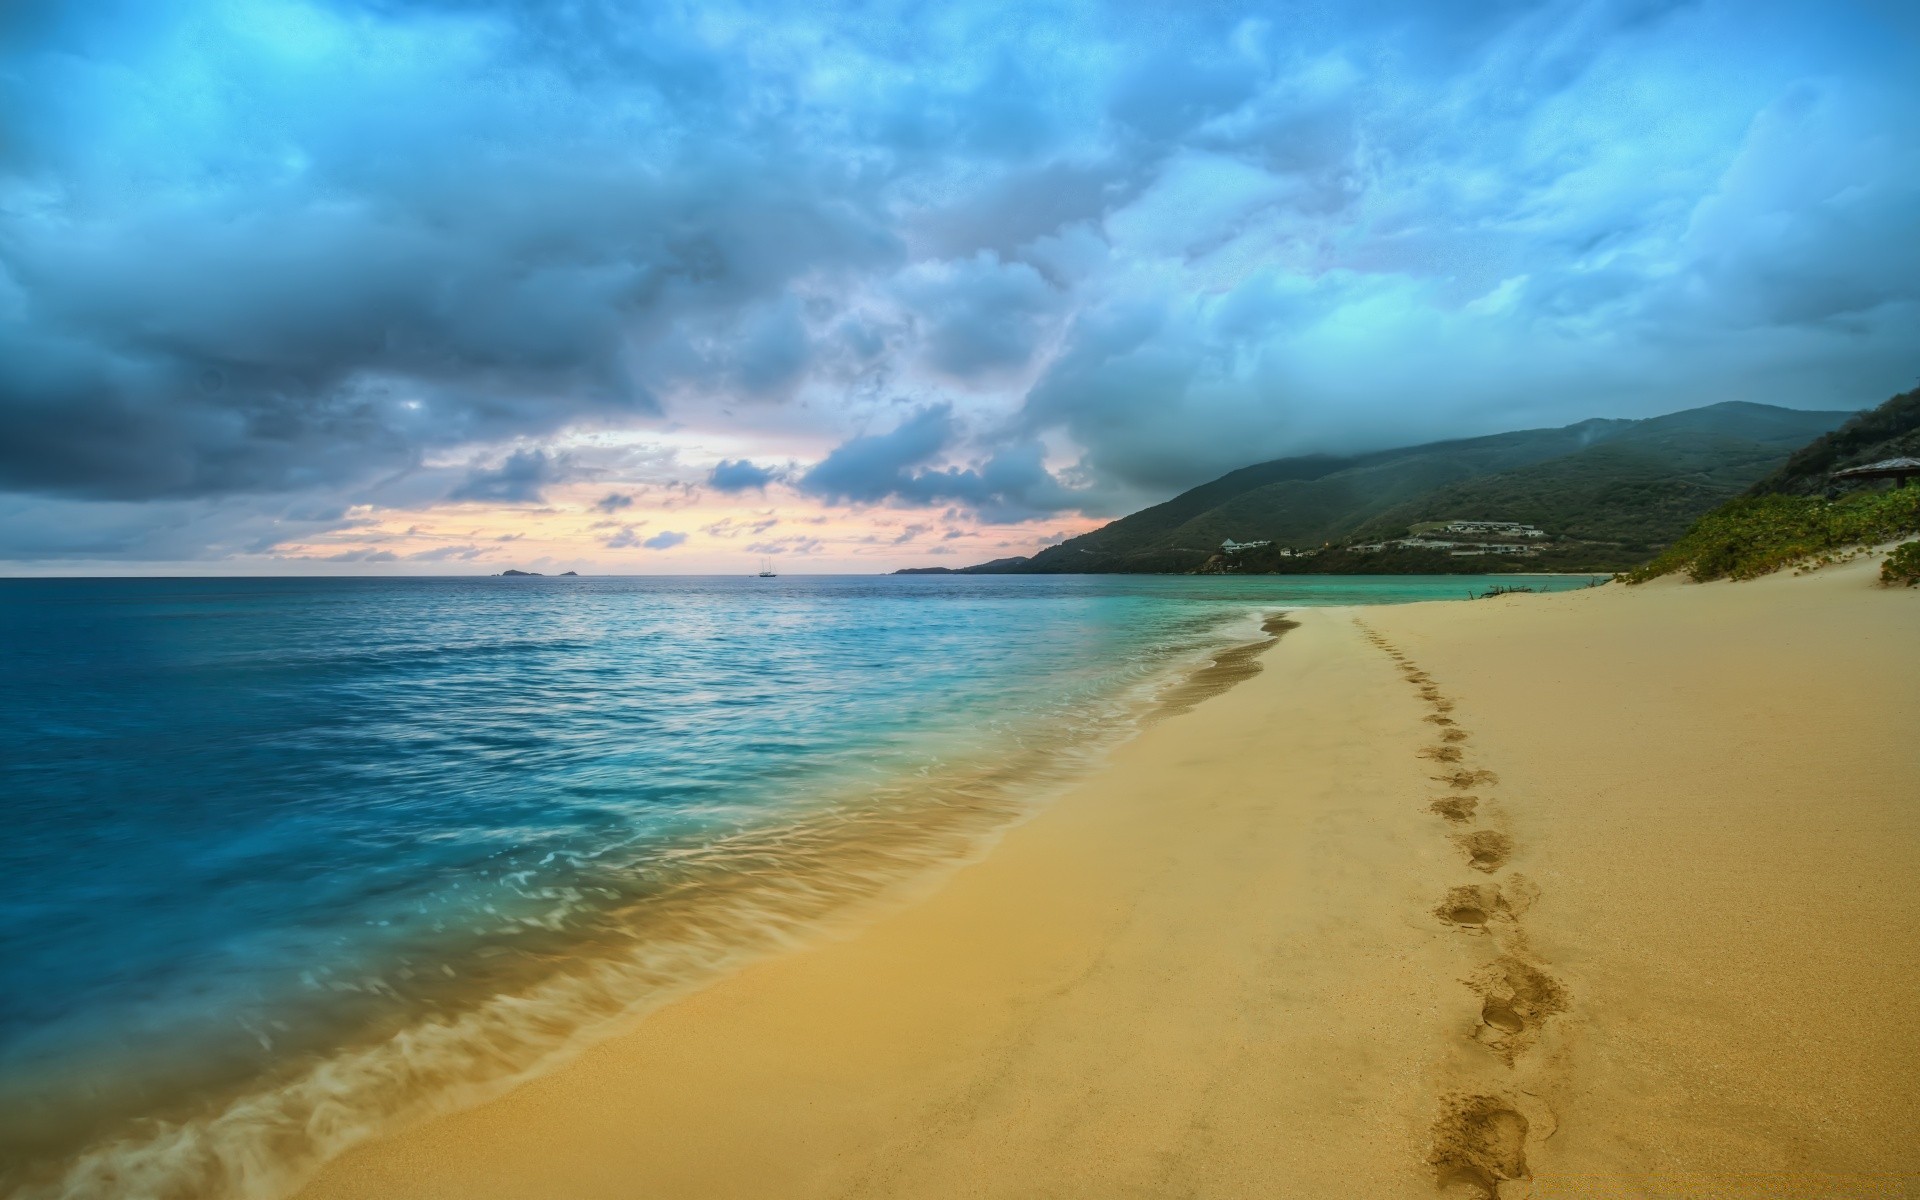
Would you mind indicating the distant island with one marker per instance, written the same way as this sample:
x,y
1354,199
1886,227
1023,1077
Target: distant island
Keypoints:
x,y
1596,496
999,566
535,574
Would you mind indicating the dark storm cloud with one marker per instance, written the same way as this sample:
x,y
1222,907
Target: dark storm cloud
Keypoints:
x,y
872,467
258,250
522,479
1012,484
40,528
339,258
982,315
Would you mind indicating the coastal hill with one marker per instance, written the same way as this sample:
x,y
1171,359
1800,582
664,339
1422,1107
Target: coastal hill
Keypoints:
x,y
1608,494
1890,431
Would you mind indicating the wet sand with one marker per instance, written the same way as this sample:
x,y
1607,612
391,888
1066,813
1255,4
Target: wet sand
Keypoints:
x,y
1660,938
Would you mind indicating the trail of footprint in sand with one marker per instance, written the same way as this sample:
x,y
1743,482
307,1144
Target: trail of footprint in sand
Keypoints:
x,y
1479,1140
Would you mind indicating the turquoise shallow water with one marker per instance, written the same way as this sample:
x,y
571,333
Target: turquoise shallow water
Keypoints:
x,y
287,857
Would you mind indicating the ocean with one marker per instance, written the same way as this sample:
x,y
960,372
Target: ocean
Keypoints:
x,y
289,859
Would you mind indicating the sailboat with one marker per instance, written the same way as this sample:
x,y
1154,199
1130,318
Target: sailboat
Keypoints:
x,y
766,569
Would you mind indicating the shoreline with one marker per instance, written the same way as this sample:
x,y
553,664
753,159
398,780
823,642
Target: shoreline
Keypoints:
x,y
807,879
771,1081
1245,950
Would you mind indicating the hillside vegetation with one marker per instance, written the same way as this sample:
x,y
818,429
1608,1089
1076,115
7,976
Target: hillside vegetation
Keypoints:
x,y
1889,431
1611,493
1756,535
1800,512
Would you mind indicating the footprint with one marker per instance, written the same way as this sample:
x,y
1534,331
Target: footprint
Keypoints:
x,y
1472,906
1453,734
1442,706
1520,893
1479,1143
1456,808
1486,850
1441,753
1437,719
1466,778
1516,1000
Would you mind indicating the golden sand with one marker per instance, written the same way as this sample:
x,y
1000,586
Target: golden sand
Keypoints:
x,y
1609,893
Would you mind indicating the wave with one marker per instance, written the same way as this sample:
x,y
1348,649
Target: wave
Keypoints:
x,y
708,910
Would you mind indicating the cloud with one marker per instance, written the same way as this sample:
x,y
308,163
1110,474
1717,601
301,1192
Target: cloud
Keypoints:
x,y
873,467
245,270
626,535
35,528
613,502
522,478
731,527
1012,484
739,475
982,315
788,545
445,553
666,539
771,352
404,229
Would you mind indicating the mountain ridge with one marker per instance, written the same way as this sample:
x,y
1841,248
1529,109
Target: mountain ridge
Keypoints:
x,y
1889,431
1610,492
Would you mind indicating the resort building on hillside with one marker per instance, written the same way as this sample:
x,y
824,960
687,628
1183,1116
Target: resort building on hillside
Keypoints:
x,y
1456,548
1232,547
1495,529
1463,538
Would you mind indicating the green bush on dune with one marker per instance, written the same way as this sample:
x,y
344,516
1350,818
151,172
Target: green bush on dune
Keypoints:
x,y
1755,535
1903,565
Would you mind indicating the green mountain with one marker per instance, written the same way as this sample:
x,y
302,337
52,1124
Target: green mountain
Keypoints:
x,y
1890,431
1610,493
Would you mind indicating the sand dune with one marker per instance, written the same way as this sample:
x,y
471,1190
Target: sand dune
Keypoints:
x,y
1610,893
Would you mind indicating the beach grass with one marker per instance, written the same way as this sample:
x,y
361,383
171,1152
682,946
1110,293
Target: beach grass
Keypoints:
x,y
1902,566
1757,535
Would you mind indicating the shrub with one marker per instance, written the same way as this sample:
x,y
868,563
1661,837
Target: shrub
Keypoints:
x,y
1903,565
1755,535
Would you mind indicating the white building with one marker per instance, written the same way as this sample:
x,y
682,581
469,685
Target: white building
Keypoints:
x,y
1232,547
1495,529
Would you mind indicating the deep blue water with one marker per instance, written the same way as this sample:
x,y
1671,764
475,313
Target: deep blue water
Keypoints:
x,y
254,824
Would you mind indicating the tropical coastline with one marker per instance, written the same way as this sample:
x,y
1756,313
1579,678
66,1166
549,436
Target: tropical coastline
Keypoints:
x,y
820,601
1540,892
597,858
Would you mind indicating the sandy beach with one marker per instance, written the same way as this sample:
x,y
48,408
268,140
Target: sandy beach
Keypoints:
x,y
1608,893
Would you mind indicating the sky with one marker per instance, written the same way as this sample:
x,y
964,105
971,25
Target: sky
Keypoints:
x,y
363,286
